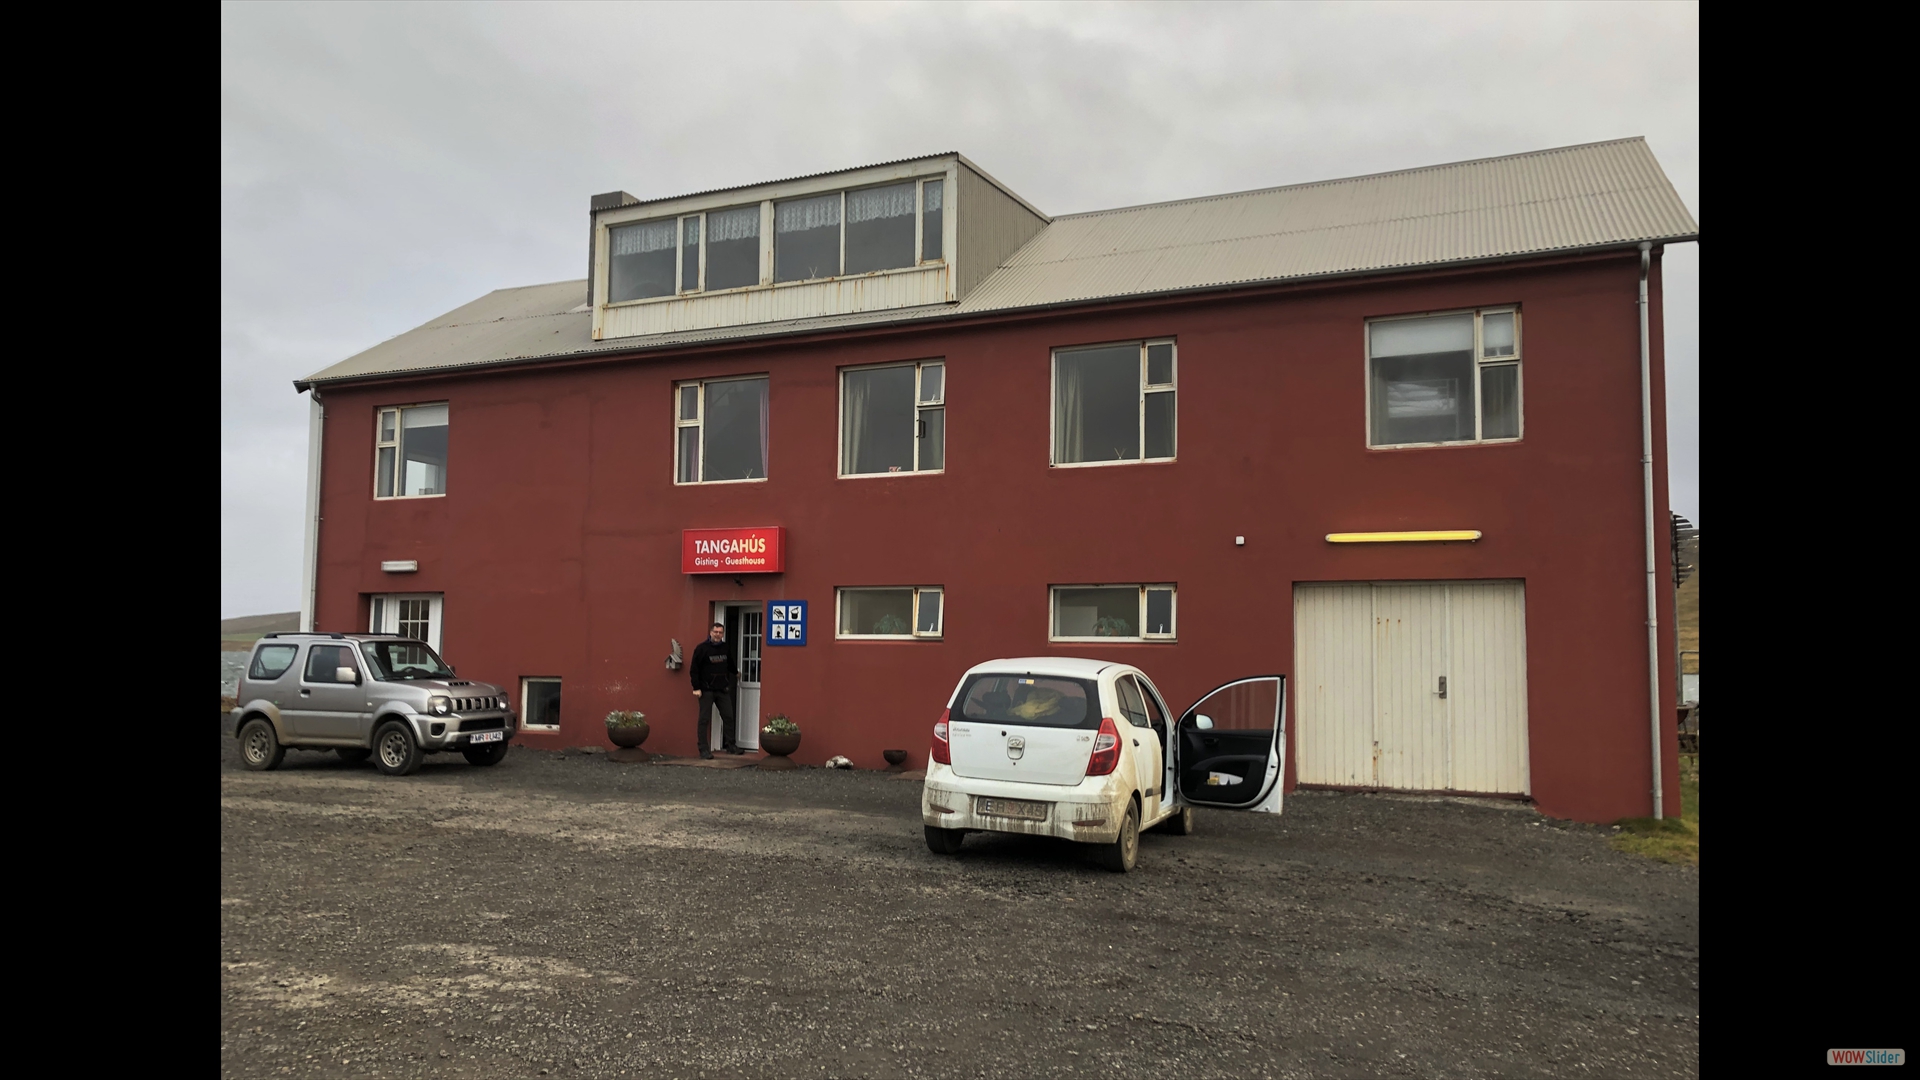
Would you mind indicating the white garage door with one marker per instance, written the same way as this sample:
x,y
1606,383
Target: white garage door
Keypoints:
x,y
1420,686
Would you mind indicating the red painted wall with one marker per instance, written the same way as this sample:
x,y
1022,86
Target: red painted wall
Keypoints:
x,y
558,545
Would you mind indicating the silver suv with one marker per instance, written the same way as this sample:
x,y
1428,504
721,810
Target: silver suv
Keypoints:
x,y
364,695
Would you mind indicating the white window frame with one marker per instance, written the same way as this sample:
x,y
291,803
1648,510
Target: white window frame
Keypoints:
x,y
1053,403
1480,363
383,614
919,372
526,700
1140,620
920,261
399,463
913,622
700,422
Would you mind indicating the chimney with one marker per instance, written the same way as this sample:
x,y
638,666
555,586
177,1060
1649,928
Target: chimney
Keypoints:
x,y
610,201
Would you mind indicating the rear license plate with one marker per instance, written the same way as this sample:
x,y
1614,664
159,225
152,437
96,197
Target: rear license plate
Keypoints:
x,y
487,736
1011,808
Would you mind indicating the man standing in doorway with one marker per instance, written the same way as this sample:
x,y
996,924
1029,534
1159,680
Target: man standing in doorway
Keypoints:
x,y
712,674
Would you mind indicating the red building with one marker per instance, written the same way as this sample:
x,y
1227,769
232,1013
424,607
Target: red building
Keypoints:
x,y
1212,438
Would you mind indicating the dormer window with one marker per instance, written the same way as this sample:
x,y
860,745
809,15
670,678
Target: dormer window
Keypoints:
x,y
644,261
733,248
887,236
896,226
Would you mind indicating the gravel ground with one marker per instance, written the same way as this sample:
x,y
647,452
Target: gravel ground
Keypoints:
x,y
562,915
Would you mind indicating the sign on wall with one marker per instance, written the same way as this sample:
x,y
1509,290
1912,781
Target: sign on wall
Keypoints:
x,y
786,622
733,551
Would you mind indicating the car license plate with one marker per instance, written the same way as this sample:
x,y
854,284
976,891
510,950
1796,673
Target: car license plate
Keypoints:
x,y
487,736
1011,808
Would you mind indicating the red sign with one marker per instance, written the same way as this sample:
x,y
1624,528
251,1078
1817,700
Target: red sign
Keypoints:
x,y
733,551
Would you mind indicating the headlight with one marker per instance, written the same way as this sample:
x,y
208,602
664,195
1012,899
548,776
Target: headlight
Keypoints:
x,y
440,706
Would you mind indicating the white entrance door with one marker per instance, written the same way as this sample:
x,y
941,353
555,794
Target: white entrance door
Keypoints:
x,y
416,615
746,631
746,706
1419,686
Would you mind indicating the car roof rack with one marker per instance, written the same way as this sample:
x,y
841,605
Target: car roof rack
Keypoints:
x,y
306,633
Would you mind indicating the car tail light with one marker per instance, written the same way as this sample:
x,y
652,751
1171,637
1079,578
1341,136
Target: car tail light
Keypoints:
x,y
1106,749
942,751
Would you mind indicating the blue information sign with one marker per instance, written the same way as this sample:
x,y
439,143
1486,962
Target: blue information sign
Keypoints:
x,y
786,622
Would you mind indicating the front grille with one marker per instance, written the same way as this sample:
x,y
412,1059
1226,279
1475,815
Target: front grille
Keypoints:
x,y
475,704
493,723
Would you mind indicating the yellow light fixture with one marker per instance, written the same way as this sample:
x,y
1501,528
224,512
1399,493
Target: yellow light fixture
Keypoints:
x,y
1402,537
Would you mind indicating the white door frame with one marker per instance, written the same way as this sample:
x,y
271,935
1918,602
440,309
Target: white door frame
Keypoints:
x,y
383,614
749,644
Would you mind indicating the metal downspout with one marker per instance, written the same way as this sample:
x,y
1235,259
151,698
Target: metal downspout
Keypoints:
x,y
316,438
1646,477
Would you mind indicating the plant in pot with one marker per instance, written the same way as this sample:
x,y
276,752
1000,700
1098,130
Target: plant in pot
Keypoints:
x,y
779,737
627,730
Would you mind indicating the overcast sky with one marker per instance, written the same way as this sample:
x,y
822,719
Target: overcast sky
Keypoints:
x,y
383,164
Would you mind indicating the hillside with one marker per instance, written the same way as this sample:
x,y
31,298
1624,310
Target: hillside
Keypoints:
x,y
1688,614
238,635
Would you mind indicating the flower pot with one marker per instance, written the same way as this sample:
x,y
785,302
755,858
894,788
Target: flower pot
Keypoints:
x,y
778,747
896,760
628,737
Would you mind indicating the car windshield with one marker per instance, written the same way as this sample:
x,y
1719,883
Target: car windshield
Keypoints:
x,y
403,660
1037,701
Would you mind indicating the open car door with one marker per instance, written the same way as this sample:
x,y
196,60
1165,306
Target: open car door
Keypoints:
x,y
1230,746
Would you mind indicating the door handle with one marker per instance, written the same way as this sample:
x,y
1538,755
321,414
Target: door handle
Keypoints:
x,y
306,693
1136,742
1443,686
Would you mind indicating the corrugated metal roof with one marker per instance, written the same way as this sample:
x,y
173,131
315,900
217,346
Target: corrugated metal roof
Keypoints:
x,y
1575,198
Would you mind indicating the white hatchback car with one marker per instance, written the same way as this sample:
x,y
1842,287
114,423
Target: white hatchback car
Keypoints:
x,y
1085,750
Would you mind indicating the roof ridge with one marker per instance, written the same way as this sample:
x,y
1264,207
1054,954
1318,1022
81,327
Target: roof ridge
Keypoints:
x,y
1334,227
1349,179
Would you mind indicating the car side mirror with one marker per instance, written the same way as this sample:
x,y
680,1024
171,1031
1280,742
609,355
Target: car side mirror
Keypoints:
x,y
1203,722
346,674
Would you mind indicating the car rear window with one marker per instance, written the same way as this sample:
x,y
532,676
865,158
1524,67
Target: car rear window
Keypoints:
x,y
1030,700
272,661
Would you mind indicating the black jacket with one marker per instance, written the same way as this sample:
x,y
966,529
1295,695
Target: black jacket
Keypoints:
x,y
712,666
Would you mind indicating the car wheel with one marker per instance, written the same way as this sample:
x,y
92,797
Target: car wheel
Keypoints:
x,y
394,751
354,755
491,754
1120,855
260,748
944,841
1180,824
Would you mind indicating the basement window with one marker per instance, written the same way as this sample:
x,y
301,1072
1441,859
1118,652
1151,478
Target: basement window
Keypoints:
x,y
1439,379
540,703
410,451
720,430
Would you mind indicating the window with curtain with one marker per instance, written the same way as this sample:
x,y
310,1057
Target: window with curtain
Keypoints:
x,y
893,419
932,234
880,228
643,260
857,231
410,451
720,430
733,248
908,612
1108,612
1444,378
806,238
1114,403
